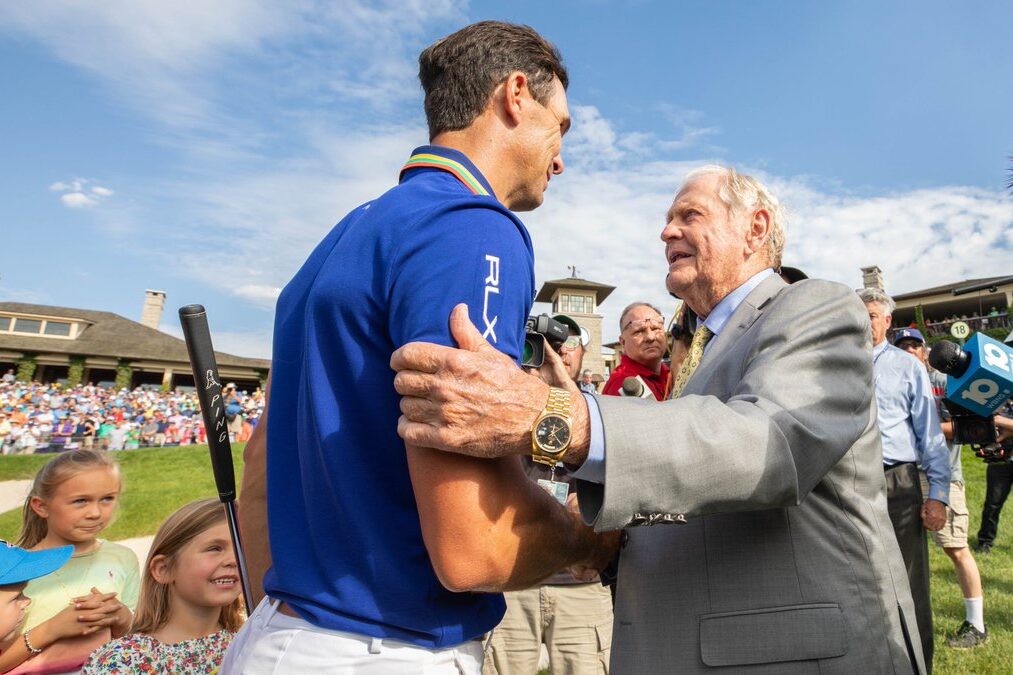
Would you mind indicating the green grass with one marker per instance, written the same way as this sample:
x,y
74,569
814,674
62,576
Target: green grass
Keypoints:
x,y
996,569
156,482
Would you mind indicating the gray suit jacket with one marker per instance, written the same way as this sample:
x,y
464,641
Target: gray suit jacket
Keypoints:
x,y
770,549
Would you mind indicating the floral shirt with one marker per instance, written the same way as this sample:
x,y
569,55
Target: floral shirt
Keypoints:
x,y
139,653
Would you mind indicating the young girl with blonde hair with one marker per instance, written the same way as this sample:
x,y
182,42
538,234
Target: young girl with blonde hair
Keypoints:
x,y
86,602
190,604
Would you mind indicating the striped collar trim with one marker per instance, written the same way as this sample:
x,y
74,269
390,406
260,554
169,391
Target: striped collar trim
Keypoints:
x,y
455,168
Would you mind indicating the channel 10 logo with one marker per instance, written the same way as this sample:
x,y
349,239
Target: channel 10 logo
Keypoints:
x,y
988,381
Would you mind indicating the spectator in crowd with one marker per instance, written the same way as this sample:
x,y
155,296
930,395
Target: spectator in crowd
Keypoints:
x,y
17,568
46,412
189,606
912,437
5,431
8,377
998,481
680,337
952,538
233,410
571,617
642,336
72,499
587,384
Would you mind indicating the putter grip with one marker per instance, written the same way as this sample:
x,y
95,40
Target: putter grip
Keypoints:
x,y
194,320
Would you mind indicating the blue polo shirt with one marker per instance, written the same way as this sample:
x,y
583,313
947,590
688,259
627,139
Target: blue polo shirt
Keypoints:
x,y
346,542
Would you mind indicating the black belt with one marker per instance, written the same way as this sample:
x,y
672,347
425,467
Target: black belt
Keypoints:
x,y
887,467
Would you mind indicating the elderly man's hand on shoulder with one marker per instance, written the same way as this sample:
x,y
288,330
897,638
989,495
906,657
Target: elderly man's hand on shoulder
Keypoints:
x,y
473,400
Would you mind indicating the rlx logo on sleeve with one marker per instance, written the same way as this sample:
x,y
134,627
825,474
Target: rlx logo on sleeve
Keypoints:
x,y
491,287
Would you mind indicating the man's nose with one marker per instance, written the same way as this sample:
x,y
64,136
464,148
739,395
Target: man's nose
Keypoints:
x,y
671,230
557,165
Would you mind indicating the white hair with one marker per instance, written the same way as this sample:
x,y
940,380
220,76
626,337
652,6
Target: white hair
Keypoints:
x,y
741,192
876,295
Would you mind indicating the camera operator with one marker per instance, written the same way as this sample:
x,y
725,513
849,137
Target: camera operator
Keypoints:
x,y
953,537
998,481
571,617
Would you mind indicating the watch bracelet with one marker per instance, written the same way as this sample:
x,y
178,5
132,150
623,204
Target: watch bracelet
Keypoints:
x,y
558,402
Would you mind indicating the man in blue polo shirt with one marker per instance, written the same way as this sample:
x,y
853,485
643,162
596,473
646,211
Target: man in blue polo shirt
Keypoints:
x,y
378,550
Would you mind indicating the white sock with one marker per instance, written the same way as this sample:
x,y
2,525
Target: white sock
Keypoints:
x,y
974,610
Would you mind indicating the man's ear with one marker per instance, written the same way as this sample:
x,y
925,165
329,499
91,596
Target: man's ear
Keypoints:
x,y
39,506
160,570
516,97
759,230
889,320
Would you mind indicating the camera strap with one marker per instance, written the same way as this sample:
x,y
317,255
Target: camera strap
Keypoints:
x,y
454,168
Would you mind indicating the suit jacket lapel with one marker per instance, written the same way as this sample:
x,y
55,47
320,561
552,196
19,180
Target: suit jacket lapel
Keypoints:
x,y
744,316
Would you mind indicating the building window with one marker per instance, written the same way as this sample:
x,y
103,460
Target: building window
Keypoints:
x,y
581,303
28,326
5,323
60,328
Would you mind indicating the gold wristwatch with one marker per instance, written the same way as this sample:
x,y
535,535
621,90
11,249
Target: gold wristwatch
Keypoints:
x,y
550,437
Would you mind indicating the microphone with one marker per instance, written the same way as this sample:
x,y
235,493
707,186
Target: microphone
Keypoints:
x,y
635,387
980,375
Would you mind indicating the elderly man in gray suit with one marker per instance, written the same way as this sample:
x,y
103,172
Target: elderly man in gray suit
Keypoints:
x,y
754,502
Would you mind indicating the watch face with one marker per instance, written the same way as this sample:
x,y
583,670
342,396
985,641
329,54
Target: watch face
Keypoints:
x,y
552,434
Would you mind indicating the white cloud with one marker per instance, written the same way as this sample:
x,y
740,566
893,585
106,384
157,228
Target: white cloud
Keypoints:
x,y
78,200
607,222
286,116
75,196
259,293
208,70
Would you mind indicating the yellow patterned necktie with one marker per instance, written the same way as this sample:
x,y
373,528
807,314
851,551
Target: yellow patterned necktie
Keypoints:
x,y
700,339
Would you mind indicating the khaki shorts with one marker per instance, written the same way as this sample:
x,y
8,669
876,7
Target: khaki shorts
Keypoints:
x,y
954,532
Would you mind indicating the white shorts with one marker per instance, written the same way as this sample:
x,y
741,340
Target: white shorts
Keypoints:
x,y
271,643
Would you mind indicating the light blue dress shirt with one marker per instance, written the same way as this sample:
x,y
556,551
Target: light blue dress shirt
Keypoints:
x,y
593,468
908,421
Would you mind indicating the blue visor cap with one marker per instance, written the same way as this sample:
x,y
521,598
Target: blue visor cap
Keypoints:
x,y
18,565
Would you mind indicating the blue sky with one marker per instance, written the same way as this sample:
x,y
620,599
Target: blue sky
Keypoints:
x,y
204,148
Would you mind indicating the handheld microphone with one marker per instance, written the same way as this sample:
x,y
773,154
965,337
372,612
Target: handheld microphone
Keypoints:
x,y
980,375
635,387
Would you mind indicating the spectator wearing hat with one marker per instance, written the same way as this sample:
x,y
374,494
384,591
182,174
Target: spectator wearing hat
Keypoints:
x,y
642,336
17,568
953,537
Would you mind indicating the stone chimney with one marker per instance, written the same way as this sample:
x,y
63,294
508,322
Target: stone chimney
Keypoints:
x,y
872,277
154,303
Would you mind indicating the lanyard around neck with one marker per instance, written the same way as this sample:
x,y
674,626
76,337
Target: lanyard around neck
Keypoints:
x,y
456,169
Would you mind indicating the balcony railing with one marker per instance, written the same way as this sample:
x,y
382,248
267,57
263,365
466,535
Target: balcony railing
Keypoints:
x,y
977,323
